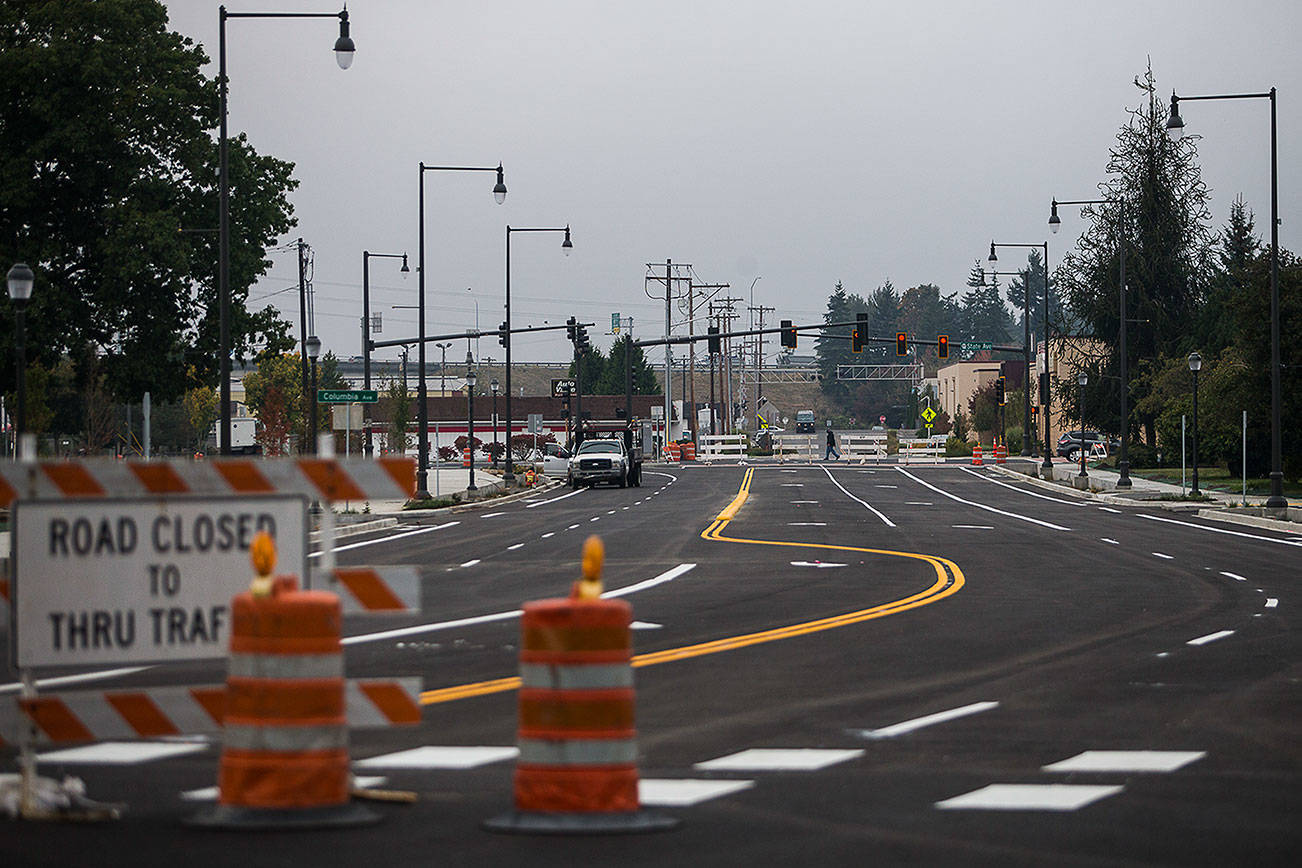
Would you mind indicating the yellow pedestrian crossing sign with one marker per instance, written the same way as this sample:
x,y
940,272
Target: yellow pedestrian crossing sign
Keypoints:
x,y
929,415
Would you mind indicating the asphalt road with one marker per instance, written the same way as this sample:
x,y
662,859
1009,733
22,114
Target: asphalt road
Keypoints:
x,y
946,666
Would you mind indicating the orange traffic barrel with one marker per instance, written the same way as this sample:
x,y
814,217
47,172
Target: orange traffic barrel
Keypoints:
x,y
976,455
673,451
689,451
465,457
284,761
577,767
1001,454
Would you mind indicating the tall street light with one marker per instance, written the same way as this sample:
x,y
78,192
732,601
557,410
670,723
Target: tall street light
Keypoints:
x,y
1123,460
20,279
470,417
1026,347
1082,380
344,50
493,386
508,478
499,195
368,448
313,350
1195,365
1175,127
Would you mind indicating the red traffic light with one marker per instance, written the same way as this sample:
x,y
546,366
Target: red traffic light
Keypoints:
x,y
901,343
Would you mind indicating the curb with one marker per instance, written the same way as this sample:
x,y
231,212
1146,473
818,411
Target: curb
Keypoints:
x,y
1232,517
1108,496
360,527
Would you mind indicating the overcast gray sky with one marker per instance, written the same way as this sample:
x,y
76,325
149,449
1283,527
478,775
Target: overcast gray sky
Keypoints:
x,y
801,143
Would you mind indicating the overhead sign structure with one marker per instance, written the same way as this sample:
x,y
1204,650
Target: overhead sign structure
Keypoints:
x,y
562,386
347,396
136,581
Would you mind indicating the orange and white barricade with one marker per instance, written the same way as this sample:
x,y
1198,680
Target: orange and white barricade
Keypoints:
x,y
284,760
577,768
689,451
673,452
976,455
1001,454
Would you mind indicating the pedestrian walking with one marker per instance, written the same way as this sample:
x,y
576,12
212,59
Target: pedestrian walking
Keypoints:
x,y
831,445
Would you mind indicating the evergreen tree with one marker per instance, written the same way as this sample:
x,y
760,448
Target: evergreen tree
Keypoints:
x,y
1033,275
612,380
983,315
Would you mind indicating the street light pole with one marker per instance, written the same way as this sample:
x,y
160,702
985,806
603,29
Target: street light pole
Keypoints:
x,y
1195,365
1082,380
20,280
1175,127
1026,349
422,460
508,478
313,350
494,386
1123,459
344,50
366,333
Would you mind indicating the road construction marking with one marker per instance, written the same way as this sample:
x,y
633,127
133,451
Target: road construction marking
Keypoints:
x,y
1210,637
1236,578
391,538
1165,557
865,503
1030,797
1287,542
1126,761
955,497
949,579
917,723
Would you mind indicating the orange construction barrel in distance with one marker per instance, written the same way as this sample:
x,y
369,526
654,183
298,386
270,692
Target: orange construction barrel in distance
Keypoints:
x,y
976,455
284,762
689,451
673,452
577,769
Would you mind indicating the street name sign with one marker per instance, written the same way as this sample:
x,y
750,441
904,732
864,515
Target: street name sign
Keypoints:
x,y
347,396
109,581
976,346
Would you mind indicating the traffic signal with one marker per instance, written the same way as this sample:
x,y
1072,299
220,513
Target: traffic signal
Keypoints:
x,y
859,336
714,342
502,333
999,391
942,346
1044,388
581,342
901,343
788,334
571,329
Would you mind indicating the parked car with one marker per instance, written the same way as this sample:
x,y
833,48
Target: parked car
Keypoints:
x,y
600,460
552,459
1069,443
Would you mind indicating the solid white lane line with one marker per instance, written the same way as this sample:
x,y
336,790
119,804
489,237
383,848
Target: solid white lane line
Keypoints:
x,y
1022,490
1236,578
514,547
917,723
1272,602
666,576
870,507
383,539
1164,557
1109,541
554,499
1210,637
1286,542
939,491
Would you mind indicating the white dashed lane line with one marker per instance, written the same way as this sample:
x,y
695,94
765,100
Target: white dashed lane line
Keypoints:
x,y
1109,541
550,533
514,547
1163,556
1236,578
1210,637
471,563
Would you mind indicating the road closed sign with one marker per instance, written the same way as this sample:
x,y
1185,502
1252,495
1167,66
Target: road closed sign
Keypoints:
x,y
137,581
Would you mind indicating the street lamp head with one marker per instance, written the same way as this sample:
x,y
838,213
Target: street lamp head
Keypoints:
x,y
471,377
344,47
1082,379
405,270
499,189
493,385
567,246
20,280
1195,362
1175,124
992,257
313,347
1054,223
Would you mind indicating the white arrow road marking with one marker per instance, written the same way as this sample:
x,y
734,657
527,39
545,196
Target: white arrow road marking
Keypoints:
x,y
818,564
928,720
666,576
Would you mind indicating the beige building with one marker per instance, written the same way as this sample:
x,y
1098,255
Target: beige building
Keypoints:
x,y
959,381
1067,356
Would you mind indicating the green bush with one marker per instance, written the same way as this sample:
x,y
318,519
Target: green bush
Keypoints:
x,y
1013,438
955,447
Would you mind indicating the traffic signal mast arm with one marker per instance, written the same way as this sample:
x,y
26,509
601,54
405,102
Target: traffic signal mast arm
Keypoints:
x,y
470,333
815,329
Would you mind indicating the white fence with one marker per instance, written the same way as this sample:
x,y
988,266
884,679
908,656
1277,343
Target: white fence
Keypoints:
x,y
796,447
716,447
863,446
921,452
